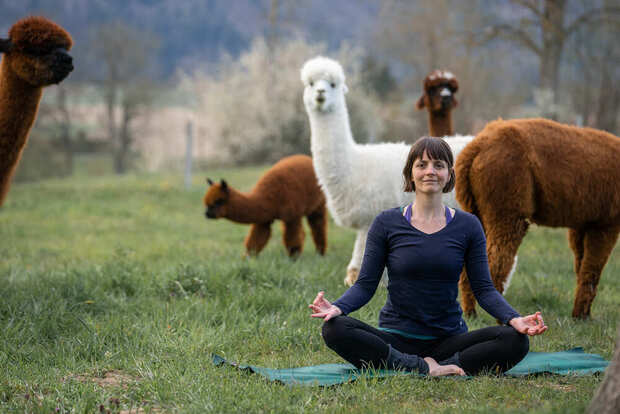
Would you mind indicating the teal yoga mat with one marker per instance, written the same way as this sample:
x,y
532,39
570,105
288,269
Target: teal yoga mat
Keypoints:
x,y
570,362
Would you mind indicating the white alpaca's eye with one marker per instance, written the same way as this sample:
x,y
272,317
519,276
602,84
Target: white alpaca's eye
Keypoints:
x,y
333,85
311,83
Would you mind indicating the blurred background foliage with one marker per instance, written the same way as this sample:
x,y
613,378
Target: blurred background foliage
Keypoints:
x,y
145,69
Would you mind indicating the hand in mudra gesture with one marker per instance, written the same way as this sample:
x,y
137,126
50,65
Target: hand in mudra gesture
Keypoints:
x,y
322,308
530,325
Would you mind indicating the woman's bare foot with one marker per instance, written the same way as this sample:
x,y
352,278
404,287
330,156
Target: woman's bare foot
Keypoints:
x,y
436,370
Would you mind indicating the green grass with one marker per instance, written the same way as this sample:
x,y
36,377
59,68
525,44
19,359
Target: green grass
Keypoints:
x,y
124,274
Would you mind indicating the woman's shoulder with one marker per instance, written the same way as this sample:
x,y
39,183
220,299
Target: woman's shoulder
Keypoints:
x,y
468,221
389,216
391,213
465,216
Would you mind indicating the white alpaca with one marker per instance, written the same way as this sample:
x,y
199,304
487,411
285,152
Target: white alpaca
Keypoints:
x,y
359,181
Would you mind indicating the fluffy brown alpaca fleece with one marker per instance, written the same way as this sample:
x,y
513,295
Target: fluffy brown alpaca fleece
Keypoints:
x,y
288,191
539,171
438,99
35,56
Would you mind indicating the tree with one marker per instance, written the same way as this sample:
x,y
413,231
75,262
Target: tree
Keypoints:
x,y
416,38
540,27
125,80
607,398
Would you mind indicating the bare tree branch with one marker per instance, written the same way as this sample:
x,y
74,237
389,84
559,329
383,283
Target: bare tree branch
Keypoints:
x,y
606,14
513,34
530,5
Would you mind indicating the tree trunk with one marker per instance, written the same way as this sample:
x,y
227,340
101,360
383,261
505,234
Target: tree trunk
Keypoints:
x,y
607,398
110,100
553,37
608,104
124,139
65,129
609,93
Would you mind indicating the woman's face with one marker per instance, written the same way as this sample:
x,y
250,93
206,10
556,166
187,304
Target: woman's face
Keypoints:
x,y
429,176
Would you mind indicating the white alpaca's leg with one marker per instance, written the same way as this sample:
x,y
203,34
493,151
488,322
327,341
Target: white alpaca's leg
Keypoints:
x,y
353,269
510,275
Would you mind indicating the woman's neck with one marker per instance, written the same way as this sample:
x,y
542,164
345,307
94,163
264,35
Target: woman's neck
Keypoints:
x,y
427,207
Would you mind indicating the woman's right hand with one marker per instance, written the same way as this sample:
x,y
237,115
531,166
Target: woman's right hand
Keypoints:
x,y
322,308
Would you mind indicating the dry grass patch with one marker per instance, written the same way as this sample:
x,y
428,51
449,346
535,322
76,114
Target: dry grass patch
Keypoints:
x,y
112,378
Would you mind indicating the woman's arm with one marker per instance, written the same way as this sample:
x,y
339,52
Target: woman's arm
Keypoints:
x,y
375,255
477,267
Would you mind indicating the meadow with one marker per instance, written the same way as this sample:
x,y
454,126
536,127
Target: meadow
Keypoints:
x,y
115,291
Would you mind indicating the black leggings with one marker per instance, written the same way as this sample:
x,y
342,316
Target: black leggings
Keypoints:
x,y
495,349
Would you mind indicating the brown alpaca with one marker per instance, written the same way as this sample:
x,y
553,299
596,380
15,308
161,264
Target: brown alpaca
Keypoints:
x,y
438,99
288,191
538,171
35,56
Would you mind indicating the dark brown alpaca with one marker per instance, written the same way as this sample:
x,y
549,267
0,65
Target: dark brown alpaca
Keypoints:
x,y
438,99
288,191
539,171
35,56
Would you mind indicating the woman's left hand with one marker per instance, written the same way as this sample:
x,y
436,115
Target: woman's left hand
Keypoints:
x,y
531,324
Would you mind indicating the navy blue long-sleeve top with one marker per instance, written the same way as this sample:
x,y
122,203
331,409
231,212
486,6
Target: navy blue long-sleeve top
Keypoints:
x,y
423,271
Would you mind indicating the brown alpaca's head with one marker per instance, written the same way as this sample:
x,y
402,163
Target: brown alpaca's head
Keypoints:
x,y
37,51
216,199
439,89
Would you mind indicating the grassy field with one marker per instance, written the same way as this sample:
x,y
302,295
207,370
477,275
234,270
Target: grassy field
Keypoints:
x,y
116,290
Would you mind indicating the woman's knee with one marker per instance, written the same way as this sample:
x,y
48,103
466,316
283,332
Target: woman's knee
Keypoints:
x,y
518,342
333,329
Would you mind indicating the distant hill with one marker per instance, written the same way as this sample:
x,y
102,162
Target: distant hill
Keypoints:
x,y
192,31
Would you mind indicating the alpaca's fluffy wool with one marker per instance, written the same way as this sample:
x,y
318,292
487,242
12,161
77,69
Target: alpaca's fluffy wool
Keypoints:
x,y
287,191
359,181
22,78
540,171
438,99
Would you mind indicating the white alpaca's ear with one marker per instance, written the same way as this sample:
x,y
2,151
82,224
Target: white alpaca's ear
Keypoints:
x,y
345,89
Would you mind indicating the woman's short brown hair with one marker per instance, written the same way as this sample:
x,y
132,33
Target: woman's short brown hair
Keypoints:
x,y
436,149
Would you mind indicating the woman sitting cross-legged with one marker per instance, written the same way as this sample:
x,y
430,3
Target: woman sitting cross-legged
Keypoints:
x,y
425,247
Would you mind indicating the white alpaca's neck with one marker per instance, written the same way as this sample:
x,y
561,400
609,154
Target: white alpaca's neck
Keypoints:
x,y
332,145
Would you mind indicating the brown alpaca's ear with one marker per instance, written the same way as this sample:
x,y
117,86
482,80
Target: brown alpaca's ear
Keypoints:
x,y
5,45
420,104
209,181
223,185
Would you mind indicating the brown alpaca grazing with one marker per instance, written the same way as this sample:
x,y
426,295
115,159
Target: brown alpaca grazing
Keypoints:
x,y
35,56
539,171
288,191
438,99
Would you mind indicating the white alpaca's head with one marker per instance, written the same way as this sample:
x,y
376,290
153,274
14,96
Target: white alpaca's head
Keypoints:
x,y
324,85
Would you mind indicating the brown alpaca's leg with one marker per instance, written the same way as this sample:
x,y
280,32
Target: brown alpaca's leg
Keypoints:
x,y
318,227
257,238
504,236
293,237
503,241
597,246
575,240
